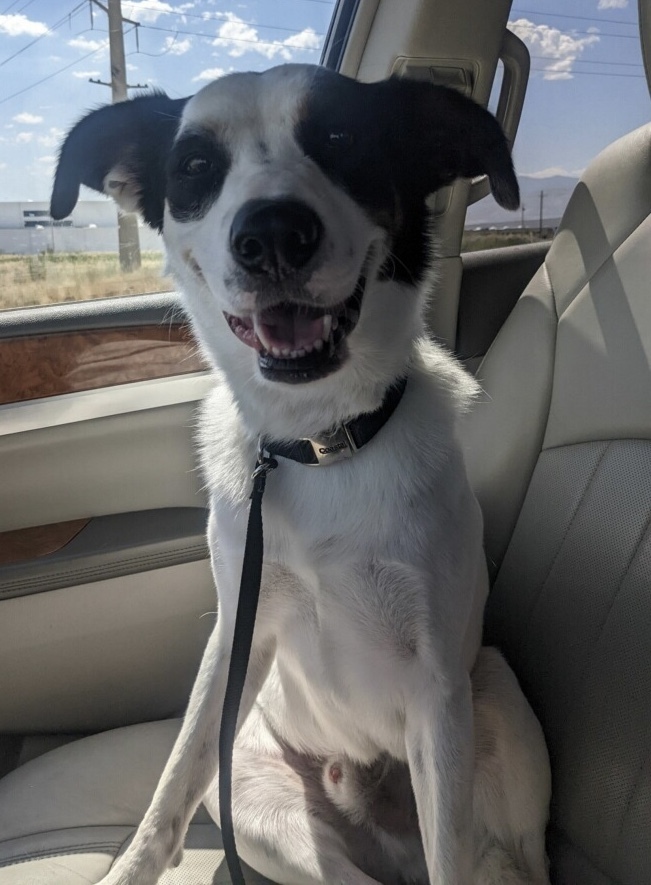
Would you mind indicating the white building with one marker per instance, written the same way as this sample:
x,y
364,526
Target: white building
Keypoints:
x,y
27,228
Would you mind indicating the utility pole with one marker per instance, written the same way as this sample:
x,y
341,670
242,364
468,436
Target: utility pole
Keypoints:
x,y
523,207
128,238
540,223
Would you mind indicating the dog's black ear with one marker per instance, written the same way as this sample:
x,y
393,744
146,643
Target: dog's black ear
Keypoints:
x,y
120,150
442,135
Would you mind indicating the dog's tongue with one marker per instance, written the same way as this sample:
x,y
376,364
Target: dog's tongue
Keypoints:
x,y
289,328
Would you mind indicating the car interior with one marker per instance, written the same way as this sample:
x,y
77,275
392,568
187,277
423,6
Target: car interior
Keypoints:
x,y
106,593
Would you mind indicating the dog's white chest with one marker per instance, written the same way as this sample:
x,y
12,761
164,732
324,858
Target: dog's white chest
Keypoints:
x,y
331,689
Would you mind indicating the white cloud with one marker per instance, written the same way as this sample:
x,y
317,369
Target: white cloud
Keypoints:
x,y
84,75
52,138
612,4
27,119
19,25
24,137
146,10
562,48
173,46
306,39
209,74
87,45
552,171
240,37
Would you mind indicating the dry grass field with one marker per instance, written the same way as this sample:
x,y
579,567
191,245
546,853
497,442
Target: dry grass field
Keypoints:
x,y
28,280
491,239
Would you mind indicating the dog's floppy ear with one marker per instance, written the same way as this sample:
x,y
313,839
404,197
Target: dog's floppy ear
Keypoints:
x,y
120,150
442,135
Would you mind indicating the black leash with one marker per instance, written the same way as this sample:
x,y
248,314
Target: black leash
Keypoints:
x,y
247,605
342,442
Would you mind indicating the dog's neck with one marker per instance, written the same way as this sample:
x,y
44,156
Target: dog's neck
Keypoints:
x,y
342,441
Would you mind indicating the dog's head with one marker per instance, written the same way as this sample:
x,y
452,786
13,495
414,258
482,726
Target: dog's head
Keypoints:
x,y
293,208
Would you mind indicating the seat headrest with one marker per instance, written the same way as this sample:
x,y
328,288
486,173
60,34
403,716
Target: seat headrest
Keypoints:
x,y
644,8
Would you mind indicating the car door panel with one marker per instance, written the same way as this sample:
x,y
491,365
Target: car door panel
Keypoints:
x,y
92,656
106,595
491,283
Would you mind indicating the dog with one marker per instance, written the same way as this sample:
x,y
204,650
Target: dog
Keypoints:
x,y
294,206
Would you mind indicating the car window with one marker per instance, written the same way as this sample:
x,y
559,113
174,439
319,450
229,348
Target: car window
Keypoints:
x,y
587,88
55,65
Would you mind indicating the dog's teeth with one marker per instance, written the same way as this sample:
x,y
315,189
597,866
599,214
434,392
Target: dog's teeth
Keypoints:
x,y
327,326
276,351
286,351
301,352
309,348
318,344
335,323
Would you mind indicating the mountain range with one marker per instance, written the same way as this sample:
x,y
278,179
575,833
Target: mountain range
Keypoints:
x,y
556,190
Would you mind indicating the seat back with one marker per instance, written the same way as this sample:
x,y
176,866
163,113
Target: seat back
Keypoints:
x,y
560,456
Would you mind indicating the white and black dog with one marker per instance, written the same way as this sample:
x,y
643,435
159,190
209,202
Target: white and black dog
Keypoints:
x,y
293,205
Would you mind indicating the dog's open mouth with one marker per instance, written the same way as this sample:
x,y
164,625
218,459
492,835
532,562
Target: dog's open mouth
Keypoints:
x,y
296,342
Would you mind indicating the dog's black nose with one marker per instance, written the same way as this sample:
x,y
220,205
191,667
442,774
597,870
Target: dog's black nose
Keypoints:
x,y
275,237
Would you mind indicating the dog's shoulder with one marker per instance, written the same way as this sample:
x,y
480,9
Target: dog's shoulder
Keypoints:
x,y
227,450
453,387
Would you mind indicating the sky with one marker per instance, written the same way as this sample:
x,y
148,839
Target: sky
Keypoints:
x,y
586,88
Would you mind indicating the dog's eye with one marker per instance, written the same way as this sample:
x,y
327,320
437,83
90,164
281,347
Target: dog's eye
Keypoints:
x,y
340,138
195,165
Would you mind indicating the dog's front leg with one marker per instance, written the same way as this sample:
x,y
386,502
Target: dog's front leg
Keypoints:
x,y
440,752
193,762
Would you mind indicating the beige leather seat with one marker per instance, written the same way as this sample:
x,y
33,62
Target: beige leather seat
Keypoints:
x,y
65,816
560,454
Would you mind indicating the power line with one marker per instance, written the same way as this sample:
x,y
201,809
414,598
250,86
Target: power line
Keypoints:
x,y
50,30
595,33
589,73
24,6
227,39
587,18
220,18
588,61
53,74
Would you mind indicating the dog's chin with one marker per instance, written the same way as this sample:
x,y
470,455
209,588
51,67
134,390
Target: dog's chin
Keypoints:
x,y
297,343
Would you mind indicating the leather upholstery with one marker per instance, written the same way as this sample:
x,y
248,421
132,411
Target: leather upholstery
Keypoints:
x,y
572,611
561,460
65,816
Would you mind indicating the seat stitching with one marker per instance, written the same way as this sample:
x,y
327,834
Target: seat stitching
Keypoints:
x,y
581,851
59,852
634,553
575,512
634,789
643,533
550,283
611,439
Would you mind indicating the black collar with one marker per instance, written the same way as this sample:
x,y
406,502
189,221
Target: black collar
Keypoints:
x,y
342,442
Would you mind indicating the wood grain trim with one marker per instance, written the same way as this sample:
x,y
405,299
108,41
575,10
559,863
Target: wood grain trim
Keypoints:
x,y
66,362
25,544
